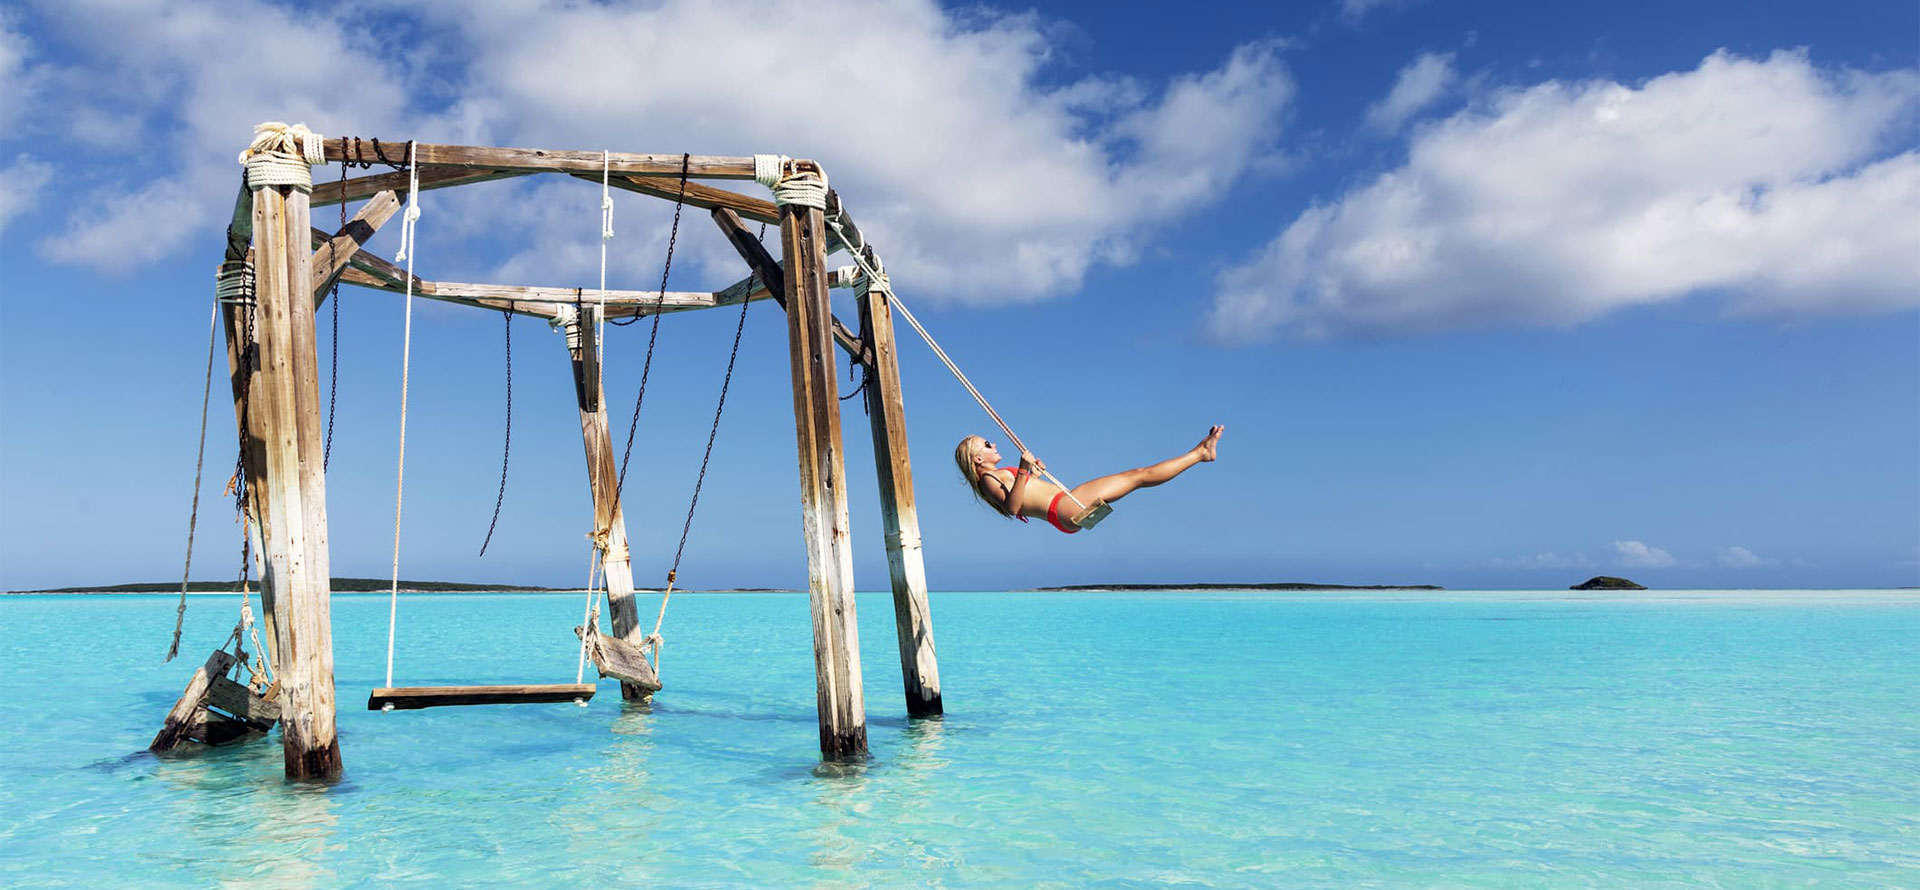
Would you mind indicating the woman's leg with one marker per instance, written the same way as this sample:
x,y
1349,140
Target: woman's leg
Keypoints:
x,y
1119,485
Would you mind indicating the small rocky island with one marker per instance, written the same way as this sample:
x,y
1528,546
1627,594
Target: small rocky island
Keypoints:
x,y
1607,582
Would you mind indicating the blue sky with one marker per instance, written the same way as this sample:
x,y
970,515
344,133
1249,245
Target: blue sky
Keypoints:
x,y
1493,295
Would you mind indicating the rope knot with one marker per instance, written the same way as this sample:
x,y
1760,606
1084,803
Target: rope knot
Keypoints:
x,y
283,154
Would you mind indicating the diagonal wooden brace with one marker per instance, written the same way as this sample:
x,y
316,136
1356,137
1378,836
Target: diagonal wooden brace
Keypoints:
x,y
339,250
764,265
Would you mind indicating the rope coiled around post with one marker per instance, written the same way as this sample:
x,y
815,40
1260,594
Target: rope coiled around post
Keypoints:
x,y
283,154
790,186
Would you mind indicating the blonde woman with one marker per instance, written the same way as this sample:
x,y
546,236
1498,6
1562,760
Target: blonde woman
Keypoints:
x,y
1018,494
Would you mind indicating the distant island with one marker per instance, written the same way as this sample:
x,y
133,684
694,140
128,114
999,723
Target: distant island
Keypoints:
x,y
1607,582
1277,585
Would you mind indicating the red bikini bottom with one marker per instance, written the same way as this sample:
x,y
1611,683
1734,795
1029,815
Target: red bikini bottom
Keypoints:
x,y
1053,514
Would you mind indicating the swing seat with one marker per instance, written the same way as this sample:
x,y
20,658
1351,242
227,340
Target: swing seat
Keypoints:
x,y
408,698
621,660
1091,516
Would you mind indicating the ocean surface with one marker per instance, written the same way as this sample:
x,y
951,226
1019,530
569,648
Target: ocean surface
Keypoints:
x,y
1384,739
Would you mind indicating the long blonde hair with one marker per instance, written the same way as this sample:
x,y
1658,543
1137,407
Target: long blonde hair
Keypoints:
x,y
964,454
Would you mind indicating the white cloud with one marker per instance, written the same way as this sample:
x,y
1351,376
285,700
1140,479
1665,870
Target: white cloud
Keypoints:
x,y
1547,560
1355,10
1742,558
980,177
186,82
1767,181
20,83
20,186
1420,84
1635,554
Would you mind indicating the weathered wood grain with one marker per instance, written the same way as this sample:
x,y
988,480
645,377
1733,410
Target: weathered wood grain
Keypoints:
x,y
240,702
621,660
292,485
408,698
900,520
603,479
823,489
705,197
184,718
327,194
331,257
535,160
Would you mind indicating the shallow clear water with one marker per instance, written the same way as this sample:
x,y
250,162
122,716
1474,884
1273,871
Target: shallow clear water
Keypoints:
x,y
1724,739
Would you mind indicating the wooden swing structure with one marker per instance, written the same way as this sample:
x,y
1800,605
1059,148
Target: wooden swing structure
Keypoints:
x,y
270,333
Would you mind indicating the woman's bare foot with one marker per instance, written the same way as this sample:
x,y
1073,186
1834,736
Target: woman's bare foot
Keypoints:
x,y
1209,447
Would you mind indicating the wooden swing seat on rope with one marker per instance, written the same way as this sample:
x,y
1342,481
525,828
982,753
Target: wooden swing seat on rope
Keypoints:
x,y
621,660
1091,516
408,698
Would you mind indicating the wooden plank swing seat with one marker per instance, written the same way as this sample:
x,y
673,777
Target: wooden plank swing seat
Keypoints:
x,y
621,660
410,698
1092,515
215,710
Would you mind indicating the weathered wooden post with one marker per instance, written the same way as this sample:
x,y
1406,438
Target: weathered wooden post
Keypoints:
x,y
823,473
603,476
887,415
291,485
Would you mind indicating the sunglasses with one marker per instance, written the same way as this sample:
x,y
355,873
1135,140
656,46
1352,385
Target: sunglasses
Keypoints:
x,y
986,445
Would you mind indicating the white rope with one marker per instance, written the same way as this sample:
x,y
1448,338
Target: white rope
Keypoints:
x,y
408,219
589,618
406,355
876,279
283,155
767,169
802,191
606,235
790,186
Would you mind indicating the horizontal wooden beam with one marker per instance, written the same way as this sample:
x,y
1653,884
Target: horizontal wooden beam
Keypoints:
x,y
705,197
619,303
326,194
536,160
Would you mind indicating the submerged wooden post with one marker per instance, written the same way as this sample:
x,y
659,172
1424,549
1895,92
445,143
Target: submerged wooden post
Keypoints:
x,y
823,491
887,415
603,476
291,486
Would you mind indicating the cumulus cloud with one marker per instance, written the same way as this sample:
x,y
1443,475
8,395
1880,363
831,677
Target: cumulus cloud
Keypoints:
x,y
1742,558
215,70
18,81
1419,85
1767,181
1636,554
20,186
981,177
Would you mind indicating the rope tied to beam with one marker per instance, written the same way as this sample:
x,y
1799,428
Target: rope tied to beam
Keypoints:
x,y
406,360
789,185
408,220
283,154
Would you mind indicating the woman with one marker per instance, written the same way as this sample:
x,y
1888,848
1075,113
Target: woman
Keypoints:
x,y
1018,494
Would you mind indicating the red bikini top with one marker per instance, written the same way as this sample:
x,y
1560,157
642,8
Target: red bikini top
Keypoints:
x,y
1016,473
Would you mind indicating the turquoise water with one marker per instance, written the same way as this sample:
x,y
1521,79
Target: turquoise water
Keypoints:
x,y
1724,739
